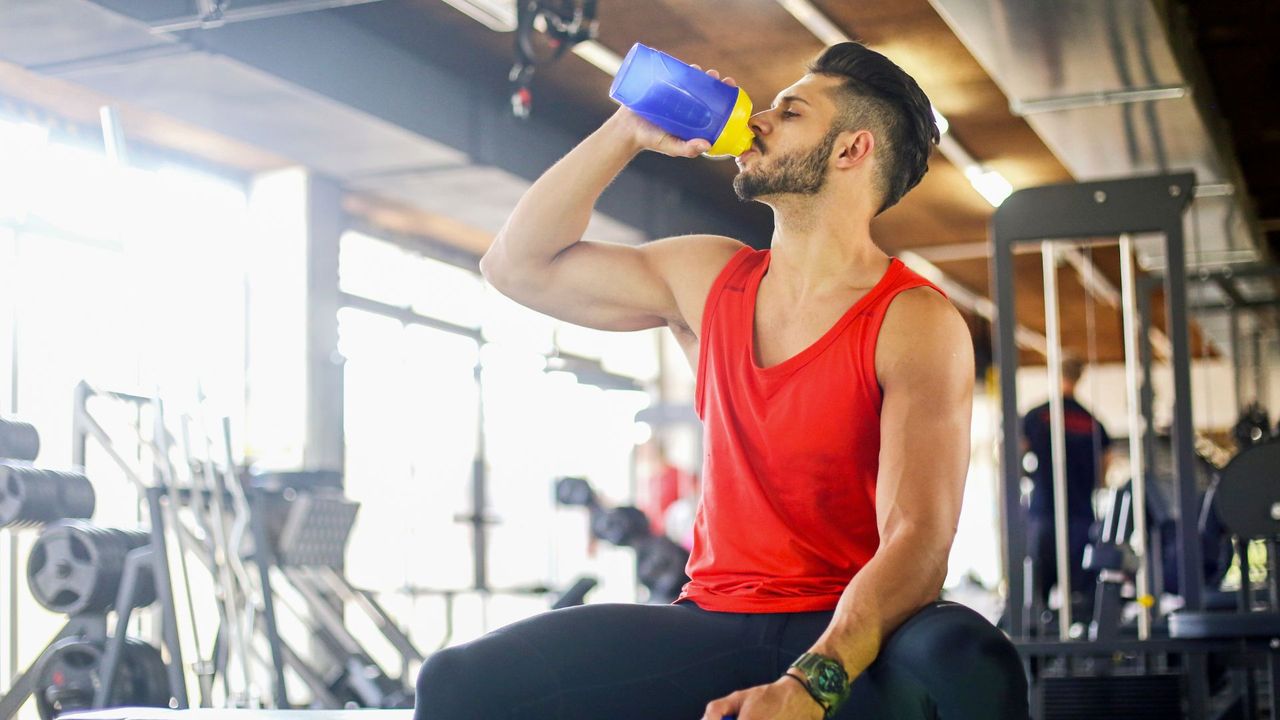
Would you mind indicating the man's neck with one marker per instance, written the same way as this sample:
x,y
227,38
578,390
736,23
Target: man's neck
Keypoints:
x,y
816,249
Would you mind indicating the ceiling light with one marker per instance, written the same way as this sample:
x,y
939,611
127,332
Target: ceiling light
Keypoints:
x,y
599,55
814,21
497,15
989,183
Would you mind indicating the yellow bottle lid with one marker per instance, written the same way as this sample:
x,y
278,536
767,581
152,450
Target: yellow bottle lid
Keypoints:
x,y
735,137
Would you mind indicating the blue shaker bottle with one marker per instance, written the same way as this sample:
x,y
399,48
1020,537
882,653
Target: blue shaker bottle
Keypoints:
x,y
683,100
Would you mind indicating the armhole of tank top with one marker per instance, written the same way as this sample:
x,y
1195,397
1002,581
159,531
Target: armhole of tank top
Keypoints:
x,y
708,310
873,333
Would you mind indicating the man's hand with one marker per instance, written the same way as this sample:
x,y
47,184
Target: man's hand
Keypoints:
x,y
648,136
783,699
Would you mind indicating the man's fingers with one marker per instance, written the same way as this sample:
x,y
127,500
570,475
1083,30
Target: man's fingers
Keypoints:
x,y
674,146
716,74
718,709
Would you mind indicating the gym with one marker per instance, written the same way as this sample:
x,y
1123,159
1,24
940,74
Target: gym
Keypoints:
x,y
661,359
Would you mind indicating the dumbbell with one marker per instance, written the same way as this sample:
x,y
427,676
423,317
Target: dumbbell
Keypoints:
x,y
33,496
18,440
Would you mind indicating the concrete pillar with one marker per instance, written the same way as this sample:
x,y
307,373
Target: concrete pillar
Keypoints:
x,y
294,372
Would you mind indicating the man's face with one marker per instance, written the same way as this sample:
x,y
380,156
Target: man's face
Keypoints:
x,y
793,143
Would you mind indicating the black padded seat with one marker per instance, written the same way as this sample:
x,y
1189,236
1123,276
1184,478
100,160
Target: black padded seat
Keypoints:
x,y
1224,625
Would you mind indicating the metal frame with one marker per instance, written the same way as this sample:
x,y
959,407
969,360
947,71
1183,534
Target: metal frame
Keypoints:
x,y
1235,304
1152,204
84,426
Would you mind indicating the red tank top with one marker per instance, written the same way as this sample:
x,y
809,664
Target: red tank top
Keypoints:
x,y
787,515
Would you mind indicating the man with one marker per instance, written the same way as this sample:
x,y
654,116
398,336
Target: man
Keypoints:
x,y
835,388
1087,442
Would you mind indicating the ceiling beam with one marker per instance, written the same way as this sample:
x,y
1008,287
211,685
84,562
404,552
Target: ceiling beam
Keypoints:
x,y
322,53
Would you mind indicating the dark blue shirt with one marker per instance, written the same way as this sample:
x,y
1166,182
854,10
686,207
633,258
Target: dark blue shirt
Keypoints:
x,y
1083,458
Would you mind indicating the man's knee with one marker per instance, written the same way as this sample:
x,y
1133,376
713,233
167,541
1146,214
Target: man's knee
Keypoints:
x,y
964,661
444,685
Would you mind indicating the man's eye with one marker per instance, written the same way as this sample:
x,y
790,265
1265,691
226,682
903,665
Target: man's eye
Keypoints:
x,y
788,113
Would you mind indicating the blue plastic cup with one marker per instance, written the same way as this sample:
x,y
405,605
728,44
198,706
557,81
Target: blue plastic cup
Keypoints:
x,y
683,100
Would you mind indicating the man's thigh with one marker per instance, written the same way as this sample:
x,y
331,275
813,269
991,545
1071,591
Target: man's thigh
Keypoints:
x,y
596,661
882,692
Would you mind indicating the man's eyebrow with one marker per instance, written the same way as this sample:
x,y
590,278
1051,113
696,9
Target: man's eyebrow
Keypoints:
x,y
792,98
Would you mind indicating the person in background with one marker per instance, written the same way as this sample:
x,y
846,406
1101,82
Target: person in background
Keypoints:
x,y
666,483
1087,443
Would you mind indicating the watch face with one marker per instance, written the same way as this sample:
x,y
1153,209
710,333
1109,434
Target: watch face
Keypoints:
x,y
830,679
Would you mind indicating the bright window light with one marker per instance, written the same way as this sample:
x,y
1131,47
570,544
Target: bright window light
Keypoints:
x,y
22,145
989,183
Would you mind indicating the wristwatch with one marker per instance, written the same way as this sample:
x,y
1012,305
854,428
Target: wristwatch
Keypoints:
x,y
826,681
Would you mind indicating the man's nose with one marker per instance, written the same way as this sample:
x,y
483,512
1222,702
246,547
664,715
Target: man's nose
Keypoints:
x,y
759,126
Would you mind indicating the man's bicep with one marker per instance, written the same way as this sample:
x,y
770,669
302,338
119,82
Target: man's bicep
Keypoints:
x,y
688,266
610,286
926,417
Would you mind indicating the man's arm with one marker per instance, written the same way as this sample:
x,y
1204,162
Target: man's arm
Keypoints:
x,y
924,360
539,258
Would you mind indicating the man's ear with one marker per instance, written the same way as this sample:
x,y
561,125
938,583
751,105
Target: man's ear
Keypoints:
x,y
854,147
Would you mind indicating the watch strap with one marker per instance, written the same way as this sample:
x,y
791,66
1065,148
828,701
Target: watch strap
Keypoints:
x,y
826,710
826,680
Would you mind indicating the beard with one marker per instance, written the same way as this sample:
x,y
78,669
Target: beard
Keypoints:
x,y
803,172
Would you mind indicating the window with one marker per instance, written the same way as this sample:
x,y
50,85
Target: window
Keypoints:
x,y
412,408
130,278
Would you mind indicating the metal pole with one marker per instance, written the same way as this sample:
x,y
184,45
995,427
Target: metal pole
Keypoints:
x,y
1255,347
1261,390
164,592
264,557
11,629
1137,464
479,493
11,536
222,551
1057,436
1191,571
1146,404
113,135
1190,567
1006,356
1237,362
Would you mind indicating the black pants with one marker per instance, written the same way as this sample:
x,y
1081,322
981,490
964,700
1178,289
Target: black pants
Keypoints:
x,y
1042,546
666,662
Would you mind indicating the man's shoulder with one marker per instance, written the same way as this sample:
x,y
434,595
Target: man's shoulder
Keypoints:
x,y
921,317
923,335
689,266
696,248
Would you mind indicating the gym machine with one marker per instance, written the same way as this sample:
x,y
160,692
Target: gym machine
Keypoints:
x,y
1144,681
270,544
1195,663
301,524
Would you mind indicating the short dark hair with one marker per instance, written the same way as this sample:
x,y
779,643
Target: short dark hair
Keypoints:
x,y
878,95
1072,368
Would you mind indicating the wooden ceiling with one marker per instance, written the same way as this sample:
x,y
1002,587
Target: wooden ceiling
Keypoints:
x,y
765,49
